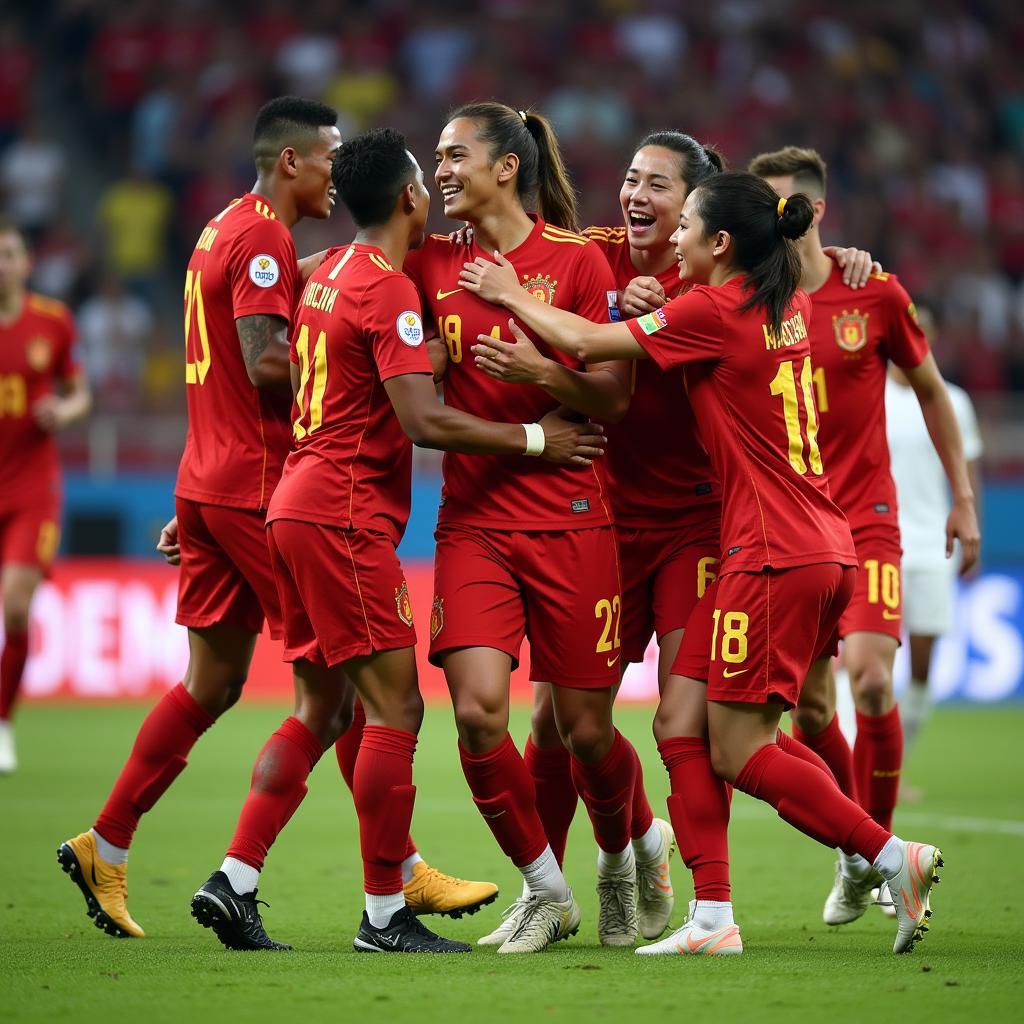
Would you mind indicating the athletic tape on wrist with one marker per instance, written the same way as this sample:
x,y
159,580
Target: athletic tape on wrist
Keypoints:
x,y
535,439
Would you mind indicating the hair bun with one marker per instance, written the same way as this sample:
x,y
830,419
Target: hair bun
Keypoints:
x,y
796,217
714,157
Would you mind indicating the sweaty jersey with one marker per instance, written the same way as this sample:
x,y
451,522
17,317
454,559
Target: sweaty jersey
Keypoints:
x,y
656,461
244,264
751,392
35,354
357,325
508,492
853,336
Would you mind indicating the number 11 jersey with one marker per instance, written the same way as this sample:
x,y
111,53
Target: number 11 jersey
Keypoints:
x,y
751,391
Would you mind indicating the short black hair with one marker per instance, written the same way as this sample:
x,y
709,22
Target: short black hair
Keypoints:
x,y
288,121
370,171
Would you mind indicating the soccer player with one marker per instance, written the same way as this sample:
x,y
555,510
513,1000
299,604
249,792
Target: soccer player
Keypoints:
x,y
41,391
361,376
788,559
852,341
667,507
525,548
921,488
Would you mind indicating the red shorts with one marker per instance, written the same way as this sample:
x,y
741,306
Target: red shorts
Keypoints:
x,y
877,602
754,635
225,568
30,536
665,571
343,593
493,587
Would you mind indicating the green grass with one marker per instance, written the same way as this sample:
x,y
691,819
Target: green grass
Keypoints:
x,y
54,963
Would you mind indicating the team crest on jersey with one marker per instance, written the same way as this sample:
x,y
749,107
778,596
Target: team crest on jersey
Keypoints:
x,y
403,604
436,617
541,287
37,353
264,271
851,330
410,328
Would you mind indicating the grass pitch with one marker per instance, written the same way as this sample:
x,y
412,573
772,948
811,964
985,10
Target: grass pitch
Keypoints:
x,y
55,965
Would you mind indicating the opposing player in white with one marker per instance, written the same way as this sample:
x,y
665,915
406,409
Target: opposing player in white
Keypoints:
x,y
923,496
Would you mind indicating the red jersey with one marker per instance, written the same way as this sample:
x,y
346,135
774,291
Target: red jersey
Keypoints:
x,y
853,336
752,394
508,492
357,325
35,353
244,264
656,461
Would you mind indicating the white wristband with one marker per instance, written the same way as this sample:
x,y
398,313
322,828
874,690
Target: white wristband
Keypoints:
x,y
534,439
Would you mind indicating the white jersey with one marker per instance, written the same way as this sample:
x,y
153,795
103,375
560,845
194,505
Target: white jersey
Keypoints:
x,y
921,488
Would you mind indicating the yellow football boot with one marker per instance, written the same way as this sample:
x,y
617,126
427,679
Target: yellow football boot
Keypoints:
x,y
104,886
430,891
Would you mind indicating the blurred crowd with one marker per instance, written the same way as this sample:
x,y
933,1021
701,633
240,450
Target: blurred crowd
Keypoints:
x,y
123,127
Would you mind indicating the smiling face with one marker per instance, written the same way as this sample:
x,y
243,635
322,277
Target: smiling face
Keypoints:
x,y
14,263
695,253
651,197
465,174
314,193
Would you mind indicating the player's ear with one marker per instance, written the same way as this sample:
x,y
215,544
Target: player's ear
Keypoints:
x,y
288,162
722,243
508,167
407,199
819,210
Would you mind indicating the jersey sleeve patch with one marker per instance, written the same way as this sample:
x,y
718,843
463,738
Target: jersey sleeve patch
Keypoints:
x,y
651,322
410,328
264,271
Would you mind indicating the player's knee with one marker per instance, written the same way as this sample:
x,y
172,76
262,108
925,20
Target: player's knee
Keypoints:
x,y
413,711
813,716
543,727
872,687
723,762
16,612
480,727
588,739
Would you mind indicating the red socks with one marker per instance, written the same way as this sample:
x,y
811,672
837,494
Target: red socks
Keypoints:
x,y
346,749
12,668
810,801
607,790
556,795
831,746
278,787
166,736
795,748
384,795
699,809
877,758
642,815
503,791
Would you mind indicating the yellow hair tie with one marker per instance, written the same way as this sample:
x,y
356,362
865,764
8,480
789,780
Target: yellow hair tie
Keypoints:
x,y
780,207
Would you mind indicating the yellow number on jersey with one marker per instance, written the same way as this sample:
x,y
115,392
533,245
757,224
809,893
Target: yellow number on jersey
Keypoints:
x,y
784,384
610,611
819,387
197,343
314,414
734,636
13,398
889,576
450,328
706,573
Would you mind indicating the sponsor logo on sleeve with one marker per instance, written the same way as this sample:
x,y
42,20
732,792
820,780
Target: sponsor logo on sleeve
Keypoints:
x,y
410,328
651,322
264,271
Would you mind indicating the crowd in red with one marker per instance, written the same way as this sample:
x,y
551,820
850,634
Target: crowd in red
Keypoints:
x,y
918,108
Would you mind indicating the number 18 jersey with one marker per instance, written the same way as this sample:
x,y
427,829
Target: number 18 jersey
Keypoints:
x,y
751,391
509,492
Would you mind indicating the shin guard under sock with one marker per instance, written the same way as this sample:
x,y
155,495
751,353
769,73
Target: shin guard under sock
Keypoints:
x,y
878,759
556,795
606,789
831,746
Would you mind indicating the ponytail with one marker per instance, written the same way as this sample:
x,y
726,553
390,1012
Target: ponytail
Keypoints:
x,y
542,177
763,228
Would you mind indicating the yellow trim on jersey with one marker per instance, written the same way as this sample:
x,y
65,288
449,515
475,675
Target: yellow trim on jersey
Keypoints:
x,y
49,307
880,276
344,259
264,210
571,239
565,232
379,261
442,238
